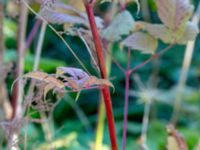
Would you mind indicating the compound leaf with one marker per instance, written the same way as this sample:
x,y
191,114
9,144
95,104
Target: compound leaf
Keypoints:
x,y
174,13
122,24
142,42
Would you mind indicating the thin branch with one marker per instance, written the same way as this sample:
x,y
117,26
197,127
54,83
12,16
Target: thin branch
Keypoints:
x,y
145,122
184,71
37,60
127,86
33,33
116,62
155,56
39,46
145,10
17,96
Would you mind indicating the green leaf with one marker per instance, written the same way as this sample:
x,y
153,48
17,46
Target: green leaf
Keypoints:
x,y
190,33
122,24
174,13
141,41
163,33
10,28
159,31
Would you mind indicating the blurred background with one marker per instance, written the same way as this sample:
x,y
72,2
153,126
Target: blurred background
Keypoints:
x,y
72,124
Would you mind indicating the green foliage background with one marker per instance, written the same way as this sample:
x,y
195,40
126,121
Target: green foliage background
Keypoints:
x,y
65,121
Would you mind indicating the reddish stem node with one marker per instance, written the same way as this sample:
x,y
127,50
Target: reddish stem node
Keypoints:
x,y
155,56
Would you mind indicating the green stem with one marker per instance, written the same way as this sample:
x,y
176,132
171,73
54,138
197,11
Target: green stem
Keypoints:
x,y
101,113
184,71
100,126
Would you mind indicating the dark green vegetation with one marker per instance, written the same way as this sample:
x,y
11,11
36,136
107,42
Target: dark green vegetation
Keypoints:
x,y
72,124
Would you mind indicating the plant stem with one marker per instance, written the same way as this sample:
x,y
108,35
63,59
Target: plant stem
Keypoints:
x,y
45,125
145,122
105,90
100,125
39,47
4,101
37,59
127,86
101,113
154,56
17,94
116,63
33,33
184,71
145,10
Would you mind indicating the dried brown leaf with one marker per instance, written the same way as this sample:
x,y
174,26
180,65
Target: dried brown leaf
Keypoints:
x,y
36,75
59,13
45,78
47,88
92,80
77,79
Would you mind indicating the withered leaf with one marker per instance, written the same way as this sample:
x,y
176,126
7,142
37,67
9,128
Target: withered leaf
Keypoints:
x,y
42,76
60,13
77,79
47,88
92,80
67,77
36,75
76,73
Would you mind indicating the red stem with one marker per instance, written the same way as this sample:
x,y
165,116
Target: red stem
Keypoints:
x,y
105,90
127,78
155,56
